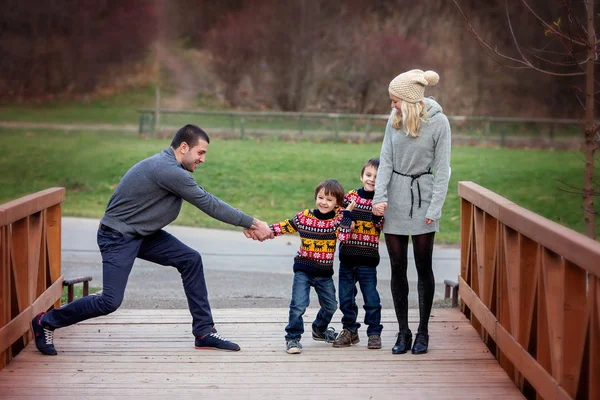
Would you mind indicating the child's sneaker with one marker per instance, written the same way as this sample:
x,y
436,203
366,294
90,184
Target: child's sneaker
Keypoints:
x,y
346,338
293,346
327,336
374,342
44,337
213,341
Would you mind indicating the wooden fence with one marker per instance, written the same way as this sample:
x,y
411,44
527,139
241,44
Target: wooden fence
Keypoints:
x,y
30,260
496,131
531,288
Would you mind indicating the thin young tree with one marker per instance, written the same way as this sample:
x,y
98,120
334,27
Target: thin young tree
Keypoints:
x,y
570,50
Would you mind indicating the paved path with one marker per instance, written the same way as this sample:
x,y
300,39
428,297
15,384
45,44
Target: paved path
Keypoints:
x,y
240,272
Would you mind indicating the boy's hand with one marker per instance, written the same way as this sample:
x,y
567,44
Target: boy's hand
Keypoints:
x,y
379,208
259,231
351,206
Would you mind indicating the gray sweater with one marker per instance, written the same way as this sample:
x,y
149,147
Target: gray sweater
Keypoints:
x,y
150,195
402,159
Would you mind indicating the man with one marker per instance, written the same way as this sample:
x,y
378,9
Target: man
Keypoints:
x,y
148,198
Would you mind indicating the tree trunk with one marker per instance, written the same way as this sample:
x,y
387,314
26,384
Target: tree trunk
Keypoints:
x,y
588,178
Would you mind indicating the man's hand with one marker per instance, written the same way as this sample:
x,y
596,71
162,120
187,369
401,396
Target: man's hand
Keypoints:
x,y
259,231
379,208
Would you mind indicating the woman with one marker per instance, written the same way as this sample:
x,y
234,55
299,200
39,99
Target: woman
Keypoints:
x,y
411,187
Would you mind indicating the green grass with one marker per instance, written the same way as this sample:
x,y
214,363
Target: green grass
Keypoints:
x,y
272,179
77,293
113,109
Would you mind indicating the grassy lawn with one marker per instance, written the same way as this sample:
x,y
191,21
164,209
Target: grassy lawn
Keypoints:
x,y
77,293
271,179
114,109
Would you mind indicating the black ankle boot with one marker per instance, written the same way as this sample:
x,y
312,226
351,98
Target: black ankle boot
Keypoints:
x,y
403,343
421,343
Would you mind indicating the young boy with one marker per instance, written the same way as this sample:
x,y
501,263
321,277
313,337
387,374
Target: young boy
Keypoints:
x,y
359,257
319,230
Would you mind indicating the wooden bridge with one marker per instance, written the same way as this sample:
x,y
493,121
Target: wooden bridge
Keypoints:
x,y
527,326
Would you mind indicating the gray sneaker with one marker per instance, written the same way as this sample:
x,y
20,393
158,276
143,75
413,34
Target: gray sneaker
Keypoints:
x,y
293,346
327,336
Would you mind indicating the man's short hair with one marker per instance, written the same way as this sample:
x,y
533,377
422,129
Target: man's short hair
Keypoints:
x,y
191,134
331,187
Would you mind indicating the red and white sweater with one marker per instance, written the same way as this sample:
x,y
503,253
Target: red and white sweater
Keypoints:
x,y
362,248
318,236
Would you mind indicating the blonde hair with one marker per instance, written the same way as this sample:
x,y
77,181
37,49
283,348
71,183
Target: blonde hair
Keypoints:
x,y
411,117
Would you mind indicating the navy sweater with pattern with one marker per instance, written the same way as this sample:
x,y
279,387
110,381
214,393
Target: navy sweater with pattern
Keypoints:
x,y
362,247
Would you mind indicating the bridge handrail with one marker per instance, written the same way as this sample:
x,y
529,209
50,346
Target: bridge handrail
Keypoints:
x,y
531,289
30,265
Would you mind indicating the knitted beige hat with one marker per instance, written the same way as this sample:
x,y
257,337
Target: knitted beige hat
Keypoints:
x,y
410,86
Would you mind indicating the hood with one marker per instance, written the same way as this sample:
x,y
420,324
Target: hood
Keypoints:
x,y
432,107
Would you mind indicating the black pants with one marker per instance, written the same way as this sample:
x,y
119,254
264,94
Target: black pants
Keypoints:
x,y
397,246
118,254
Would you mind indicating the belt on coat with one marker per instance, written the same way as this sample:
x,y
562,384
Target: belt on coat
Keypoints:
x,y
412,195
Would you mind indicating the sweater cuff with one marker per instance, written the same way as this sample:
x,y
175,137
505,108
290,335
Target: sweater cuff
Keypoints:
x,y
246,221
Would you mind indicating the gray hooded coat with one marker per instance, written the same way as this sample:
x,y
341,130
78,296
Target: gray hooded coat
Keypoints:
x,y
402,174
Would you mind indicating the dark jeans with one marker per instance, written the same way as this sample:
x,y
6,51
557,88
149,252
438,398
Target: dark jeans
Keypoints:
x,y
367,279
118,254
301,299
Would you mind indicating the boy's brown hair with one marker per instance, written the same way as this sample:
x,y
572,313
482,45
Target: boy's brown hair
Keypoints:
x,y
331,187
373,162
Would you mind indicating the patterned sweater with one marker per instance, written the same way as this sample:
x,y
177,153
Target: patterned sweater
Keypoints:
x,y
318,236
362,248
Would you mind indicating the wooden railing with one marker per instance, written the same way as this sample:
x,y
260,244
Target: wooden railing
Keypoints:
x,y
531,289
30,273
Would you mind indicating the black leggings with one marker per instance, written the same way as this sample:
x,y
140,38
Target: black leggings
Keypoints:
x,y
397,246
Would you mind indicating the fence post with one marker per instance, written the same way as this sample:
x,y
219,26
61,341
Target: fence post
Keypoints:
x,y
368,128
337,127
141,123
157,112
232,124
242,127
300,127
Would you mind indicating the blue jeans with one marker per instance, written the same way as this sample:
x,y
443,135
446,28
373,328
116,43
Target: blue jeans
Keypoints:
x,y
118,254
367,279
301,299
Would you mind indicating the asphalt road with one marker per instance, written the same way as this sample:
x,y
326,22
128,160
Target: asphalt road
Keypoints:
x,y
239,272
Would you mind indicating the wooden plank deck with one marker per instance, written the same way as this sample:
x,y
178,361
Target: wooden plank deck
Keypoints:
x,y
149,354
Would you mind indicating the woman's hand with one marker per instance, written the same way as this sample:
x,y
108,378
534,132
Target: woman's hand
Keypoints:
x,y
379,208
428,221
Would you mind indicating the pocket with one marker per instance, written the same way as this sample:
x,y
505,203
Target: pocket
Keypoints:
x,y
107,238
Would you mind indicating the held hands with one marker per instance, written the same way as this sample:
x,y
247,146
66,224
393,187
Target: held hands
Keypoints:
x,y
379,208
259,231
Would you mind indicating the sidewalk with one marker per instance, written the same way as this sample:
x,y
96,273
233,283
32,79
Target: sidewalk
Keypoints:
x,y
239,272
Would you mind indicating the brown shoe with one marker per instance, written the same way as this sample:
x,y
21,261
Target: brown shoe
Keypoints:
x,y
374,342
346,339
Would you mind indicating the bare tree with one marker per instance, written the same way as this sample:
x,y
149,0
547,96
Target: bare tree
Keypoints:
x,y
571,50
233,44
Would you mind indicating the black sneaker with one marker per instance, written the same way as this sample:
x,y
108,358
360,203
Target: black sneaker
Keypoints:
x,y
44,337
327,336
213,341
293,346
